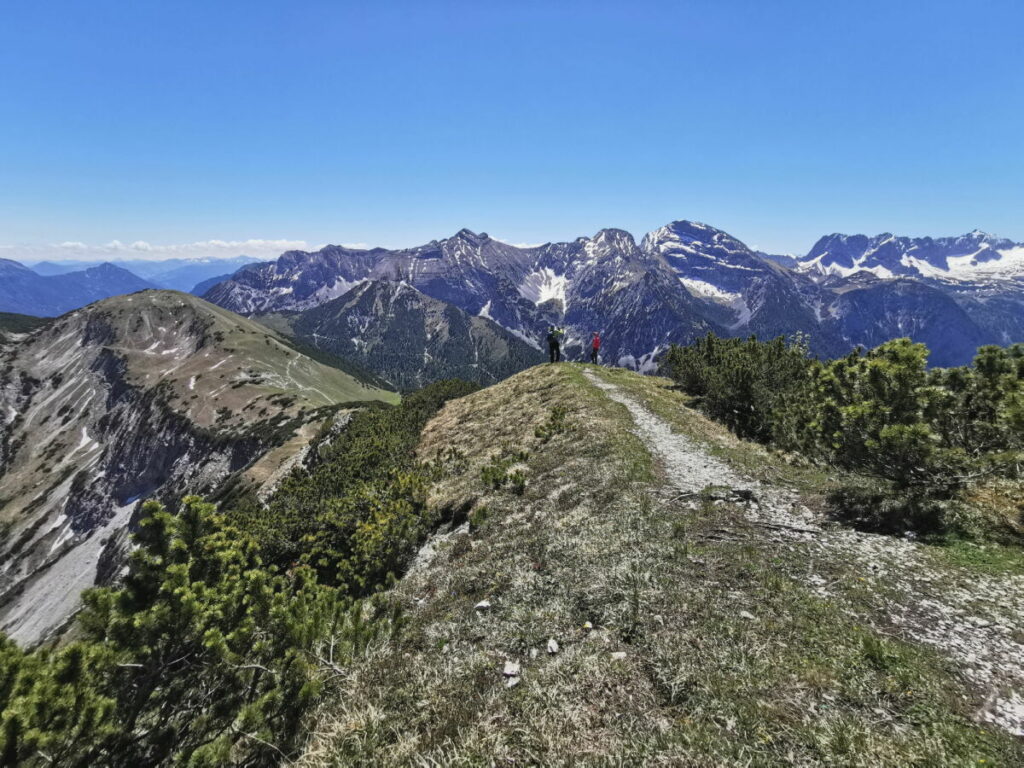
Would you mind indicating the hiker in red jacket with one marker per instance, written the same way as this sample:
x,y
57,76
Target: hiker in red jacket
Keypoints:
x,y
595,347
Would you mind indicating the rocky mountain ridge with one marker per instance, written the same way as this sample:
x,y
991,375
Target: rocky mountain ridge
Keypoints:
x,y
683,280
410,339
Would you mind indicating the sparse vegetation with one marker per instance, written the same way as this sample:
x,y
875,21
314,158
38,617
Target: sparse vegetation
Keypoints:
x,y
555,424
499,472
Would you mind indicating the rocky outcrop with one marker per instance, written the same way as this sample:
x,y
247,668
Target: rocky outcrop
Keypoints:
x,y
683,280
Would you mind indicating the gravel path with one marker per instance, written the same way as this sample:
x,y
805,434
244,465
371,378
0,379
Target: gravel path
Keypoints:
x,y
977,620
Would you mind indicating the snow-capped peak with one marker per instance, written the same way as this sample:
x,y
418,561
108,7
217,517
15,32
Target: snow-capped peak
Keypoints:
x,y
975,254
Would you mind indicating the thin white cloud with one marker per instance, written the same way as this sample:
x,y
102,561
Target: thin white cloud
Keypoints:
x,y
116,250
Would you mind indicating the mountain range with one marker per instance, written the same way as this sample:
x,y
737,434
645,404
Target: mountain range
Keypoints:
x,y
681,281
26,292
49,289
175,274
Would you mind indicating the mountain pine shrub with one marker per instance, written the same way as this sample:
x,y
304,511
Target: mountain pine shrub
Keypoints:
x,y
202,657
226,626
366,486
921,434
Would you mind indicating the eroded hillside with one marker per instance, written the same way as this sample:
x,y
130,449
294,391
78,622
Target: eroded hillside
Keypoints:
x,y
153,394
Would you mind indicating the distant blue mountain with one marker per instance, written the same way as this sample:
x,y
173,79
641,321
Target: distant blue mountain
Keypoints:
x,y
26,292
176,274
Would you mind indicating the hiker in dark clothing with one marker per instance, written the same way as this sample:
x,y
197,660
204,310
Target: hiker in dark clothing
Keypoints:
x,y
595,347
554,343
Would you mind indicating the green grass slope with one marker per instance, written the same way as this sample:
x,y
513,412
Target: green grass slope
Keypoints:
x,y
214,361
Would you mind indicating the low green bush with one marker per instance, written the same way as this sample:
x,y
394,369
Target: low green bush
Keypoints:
x,y
220,638
922,434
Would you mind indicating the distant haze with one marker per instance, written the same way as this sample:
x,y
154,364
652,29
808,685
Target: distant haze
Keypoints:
x,y
261,250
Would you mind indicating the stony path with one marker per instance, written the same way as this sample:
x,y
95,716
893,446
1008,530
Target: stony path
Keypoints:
x,y
975,619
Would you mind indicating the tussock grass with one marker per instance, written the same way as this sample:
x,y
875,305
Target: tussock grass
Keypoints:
x,y
683,639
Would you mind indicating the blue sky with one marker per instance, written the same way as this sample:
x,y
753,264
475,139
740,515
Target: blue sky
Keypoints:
x,y
393,123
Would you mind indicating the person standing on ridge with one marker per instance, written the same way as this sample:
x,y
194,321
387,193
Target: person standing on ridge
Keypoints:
x,y
554,343
595,347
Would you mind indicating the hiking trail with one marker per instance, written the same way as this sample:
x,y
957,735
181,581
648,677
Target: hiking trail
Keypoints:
x,y
972,618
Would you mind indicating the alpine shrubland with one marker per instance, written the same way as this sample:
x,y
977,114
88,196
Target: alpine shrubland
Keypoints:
x,y
921,441
228,623
600,616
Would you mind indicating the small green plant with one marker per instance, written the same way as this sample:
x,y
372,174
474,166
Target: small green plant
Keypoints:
x,y
497,473
877,652
478,516
517,482
555,424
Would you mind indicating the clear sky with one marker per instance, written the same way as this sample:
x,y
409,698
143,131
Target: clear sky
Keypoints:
x,y
394,123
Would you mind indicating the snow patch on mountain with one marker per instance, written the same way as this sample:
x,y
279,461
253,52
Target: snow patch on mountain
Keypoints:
x,y
973,256
743,313
339,287
705,290
840,271
517,332
543,285
1010,262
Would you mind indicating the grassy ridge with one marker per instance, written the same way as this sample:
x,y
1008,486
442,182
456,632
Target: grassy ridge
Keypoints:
x,y
648,601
